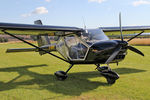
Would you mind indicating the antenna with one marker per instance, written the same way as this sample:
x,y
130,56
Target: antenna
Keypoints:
x,y
84,23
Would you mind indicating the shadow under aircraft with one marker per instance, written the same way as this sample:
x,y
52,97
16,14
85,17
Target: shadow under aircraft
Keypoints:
x,y
50,83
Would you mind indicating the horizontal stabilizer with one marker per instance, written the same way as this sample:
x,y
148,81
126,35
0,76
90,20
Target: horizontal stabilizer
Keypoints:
x,y
48,48
20,50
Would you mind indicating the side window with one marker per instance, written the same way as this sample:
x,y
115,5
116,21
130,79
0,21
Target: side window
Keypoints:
x,y
61,47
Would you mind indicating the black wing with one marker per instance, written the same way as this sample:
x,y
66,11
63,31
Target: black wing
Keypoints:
x,y
30,29
126,29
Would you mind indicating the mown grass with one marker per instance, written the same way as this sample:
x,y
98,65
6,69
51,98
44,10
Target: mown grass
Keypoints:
x,y
28,76
141,42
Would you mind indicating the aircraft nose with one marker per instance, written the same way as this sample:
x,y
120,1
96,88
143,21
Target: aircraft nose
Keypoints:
x,y
123,43
104,45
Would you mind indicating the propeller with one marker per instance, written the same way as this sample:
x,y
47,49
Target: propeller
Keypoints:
x,y
123,44
134,36
135,50
116,51
120,26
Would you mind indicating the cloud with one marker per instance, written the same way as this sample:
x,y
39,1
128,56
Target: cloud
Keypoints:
x,y
98,1
141,2
37,11
40,10
48,0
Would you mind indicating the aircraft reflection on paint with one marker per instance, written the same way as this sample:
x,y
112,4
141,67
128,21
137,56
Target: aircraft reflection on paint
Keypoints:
x,y
77,45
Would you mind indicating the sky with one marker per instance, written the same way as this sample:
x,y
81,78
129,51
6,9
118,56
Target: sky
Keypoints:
x,y
94,13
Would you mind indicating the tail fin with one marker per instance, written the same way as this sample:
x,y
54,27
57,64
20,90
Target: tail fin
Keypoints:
x,y
38,22
42,40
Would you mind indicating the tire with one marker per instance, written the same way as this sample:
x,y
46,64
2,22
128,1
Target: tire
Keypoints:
x,y
110,80
61,75
110,76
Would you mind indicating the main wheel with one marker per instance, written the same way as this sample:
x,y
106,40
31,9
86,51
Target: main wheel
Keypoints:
x,y
61,75
110,80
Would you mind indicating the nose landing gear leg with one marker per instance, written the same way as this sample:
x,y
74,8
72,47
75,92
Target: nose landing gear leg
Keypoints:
x,y
106,71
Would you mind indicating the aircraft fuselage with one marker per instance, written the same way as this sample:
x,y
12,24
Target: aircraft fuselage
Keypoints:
x,y
93,47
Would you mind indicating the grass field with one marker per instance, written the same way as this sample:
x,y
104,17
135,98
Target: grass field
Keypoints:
x,y
28,76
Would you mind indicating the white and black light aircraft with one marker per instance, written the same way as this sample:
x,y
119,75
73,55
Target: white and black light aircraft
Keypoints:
x,y
77,45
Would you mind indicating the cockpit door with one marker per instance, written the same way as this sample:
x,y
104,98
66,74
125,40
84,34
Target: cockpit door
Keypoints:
x,y
61,48
71,47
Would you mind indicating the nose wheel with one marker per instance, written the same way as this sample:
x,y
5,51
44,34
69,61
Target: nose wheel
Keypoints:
x,y
61,75
110,75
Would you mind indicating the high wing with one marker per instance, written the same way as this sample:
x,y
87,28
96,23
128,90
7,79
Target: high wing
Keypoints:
x,y
29,29
126,30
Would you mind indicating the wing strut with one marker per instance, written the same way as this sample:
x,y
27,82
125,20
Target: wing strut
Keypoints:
x,y
40,49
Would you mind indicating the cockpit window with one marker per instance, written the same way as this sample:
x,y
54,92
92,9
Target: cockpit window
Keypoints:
x,y
94,35
71,47
76,49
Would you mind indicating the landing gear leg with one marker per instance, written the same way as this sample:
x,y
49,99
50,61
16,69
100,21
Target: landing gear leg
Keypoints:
x,y
103,68
61,75
106,71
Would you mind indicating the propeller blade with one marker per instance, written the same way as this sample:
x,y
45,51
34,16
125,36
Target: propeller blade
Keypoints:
x,y
135,36
114,54
135,50
120,26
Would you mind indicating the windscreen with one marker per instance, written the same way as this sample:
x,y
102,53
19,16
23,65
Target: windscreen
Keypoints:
x,y
94,35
